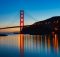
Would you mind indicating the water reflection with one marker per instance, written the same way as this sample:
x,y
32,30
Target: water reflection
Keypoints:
x,y
41,44
21,45
9,46
55,43
30,45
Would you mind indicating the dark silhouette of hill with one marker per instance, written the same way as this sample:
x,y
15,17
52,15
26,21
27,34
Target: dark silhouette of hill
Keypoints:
x,y
43,27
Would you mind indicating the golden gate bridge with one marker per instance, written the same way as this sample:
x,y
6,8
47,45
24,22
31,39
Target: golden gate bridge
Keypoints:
x,y
21,21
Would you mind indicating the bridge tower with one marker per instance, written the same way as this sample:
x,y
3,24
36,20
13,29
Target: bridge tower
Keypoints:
x,y
21,19
21,35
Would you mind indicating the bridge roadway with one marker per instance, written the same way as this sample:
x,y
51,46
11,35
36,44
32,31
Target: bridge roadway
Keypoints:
x,y
13,27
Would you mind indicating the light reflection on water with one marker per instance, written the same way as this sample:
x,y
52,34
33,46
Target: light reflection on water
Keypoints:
x,y
30,46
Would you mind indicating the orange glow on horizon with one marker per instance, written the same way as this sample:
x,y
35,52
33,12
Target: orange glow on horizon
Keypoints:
x,y
10,30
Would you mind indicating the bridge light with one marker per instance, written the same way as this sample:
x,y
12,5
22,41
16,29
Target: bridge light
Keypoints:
x,y
21,19
22,13
22,16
